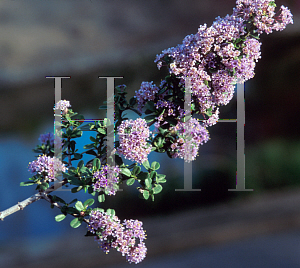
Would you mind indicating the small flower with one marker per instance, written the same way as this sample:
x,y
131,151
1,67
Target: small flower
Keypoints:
x,y
47,166
212,120
132,139
44,138
107,179
146,93
191,135
63,105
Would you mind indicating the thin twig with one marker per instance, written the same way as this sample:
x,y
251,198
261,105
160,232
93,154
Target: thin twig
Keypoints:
x,y
40,195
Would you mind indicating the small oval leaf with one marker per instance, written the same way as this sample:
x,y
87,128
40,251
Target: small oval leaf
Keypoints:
x,y
146,164
130,181
157,189
101,198
88,202
75,223
155,165
145,194
79,206
126,172
60,217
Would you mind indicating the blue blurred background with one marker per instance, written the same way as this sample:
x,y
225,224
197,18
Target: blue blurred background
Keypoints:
x,y
87,39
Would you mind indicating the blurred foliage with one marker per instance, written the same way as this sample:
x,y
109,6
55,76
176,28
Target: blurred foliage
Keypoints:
x,y
273,165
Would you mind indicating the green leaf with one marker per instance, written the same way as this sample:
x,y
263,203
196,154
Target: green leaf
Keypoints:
x,y
60,217
150,106
149,118
76,189
153,174
92,152
96,163
136,170
130,181
148,183
160,178
208,113
155,165
106,122
89,146
126,172
86,127
132,101
75,181
146,164
157,189
72,145
43,186
88,202
101,198
73,201
143,176
92,139
111,212
160,143
101,131
118,160
58,199
79,206
161,91
77,156
171,121
75,223
26,183
146,194
186,118
72,211
80,164
76,133
103,107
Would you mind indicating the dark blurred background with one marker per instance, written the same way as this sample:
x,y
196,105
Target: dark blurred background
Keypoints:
x,y
87,39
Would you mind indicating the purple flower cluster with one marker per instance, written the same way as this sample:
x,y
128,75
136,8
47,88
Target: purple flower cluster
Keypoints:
x,y
110,233
217,57
132,139
212,120
167,108
107,180
146,93
190,136
263,11
44,138
47,166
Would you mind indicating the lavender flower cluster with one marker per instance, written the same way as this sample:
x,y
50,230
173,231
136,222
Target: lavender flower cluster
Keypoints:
x,y
110,233
217,57
190,136
167,108
44,138
133,137
107,179
146,93
47,166
213,60
265,18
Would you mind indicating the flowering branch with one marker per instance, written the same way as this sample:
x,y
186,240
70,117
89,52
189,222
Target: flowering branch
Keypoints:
x,y
213,60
